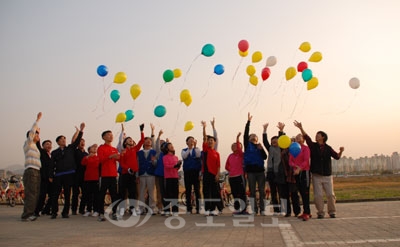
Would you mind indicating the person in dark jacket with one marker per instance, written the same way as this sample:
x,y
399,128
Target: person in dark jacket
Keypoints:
x,y
78,186
321,170
254,156
64,172
45,173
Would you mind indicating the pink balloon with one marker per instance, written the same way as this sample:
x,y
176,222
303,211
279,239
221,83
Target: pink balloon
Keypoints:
x,y
302,66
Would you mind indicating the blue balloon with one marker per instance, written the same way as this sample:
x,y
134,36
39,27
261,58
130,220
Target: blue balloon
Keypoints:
x,y
307,75
129,115
114,95
294,149
208,50
219,69
102,70
160,111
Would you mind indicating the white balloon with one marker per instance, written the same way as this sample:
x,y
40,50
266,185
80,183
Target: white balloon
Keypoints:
x,y
271,61
354,83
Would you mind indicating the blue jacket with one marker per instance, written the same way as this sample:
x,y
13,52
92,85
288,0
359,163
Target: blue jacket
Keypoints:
x,y
191,162
253,156
145,164
159,171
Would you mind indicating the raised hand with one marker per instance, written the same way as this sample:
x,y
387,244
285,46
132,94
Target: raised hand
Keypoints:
x,y
213,123
265,126
203,123
82,126
39,116
281,126
249,117
297,124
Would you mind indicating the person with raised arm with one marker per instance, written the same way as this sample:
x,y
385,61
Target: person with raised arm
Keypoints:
x,y
321,170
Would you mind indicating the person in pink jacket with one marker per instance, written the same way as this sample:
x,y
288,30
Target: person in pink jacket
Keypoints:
x,y
301,167
171,176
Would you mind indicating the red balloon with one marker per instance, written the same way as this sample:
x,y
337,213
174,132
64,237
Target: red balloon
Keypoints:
x,y
265,73
302,66
243,45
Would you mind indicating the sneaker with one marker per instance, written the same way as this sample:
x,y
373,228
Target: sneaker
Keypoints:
x,y
101,218
114,216
32,218
206,213
167,213
301,216
220,212
306,217
332,216
214,213
320,216
95,214
162,213
175,214
86,214
134,213
188,212
245,213
263,213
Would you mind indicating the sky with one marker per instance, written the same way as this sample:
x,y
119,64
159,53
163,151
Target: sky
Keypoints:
x,y
50,51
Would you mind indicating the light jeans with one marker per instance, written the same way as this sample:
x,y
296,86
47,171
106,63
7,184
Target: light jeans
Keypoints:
x,y
149,183
323,184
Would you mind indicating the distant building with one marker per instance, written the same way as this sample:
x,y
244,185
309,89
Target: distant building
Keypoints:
x,y
2,173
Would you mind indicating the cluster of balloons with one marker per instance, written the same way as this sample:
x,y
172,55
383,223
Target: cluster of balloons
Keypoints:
x,y
186,97
285,142
302,67
169,75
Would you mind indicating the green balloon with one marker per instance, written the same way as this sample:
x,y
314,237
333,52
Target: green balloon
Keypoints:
x,y
168,75
160,111
208,50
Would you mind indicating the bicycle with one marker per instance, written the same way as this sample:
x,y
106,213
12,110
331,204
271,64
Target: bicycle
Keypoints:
x,y
14,191
226,195
193,198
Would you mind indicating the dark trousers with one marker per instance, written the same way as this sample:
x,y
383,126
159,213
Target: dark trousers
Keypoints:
x,y
44,184
256,179
77,189
191,179
31,181
292,197
127,183
238,192
161,184
110,184
210,191
171,193
274,192
303,184
62,182
90,195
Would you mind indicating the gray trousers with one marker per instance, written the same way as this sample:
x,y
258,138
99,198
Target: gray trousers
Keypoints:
x,y
31,181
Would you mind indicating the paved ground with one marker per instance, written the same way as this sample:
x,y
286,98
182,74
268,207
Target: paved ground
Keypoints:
x,y
358,224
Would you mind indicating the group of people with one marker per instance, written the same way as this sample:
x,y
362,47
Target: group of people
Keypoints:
x,y
150,167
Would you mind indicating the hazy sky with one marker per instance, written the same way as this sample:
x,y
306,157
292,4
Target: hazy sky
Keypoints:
x,y
49,52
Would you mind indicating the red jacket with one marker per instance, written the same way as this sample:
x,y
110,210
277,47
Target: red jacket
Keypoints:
x,y
210,159
129,158
92,167
108,166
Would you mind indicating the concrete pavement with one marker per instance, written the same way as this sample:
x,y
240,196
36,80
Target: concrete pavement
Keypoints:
x,y
357,224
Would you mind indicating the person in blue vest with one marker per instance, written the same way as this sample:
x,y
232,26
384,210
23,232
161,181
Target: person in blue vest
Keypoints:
x,y
191,157
147,164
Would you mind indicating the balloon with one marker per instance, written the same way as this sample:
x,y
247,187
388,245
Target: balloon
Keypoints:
x,y
219,69
290,73
243,45
168,75
271,61
265,73
284,141
185,94
257,56
135,91
305,47
188,101
315,57
253,80
188,126
177,73
306,75
312,83
129,115
114,95
302,66
251,70
243,54
208,50
160,111
120,77
120,117
354,83
295,149
102,70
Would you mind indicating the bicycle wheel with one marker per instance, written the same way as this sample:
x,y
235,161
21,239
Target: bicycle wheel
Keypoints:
x,y
12,201
183,198
229,200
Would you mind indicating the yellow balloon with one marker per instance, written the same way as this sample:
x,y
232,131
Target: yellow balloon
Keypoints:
x,y
135,91
177,73
120,117
185,94
251,70
305,47
253,80
120,77
257,56
312,83
188,126
290,73
188,101
284,141
243,54
315,57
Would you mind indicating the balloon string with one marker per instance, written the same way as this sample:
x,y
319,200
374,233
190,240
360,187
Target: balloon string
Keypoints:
x,y
295,105
251,99
190,67
105,113
237,69
158,95
258,96
283,96
245,92
349,105
208,85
